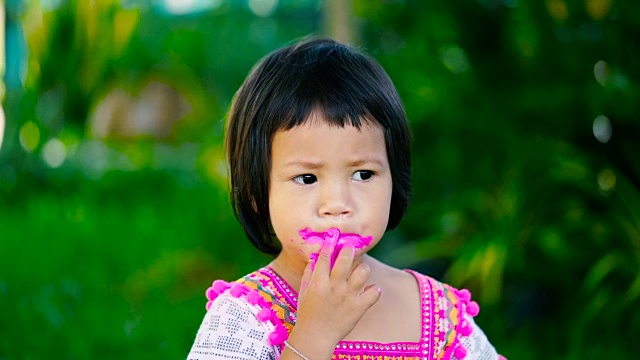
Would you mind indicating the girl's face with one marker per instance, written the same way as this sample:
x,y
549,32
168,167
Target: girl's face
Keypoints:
x,y
324,176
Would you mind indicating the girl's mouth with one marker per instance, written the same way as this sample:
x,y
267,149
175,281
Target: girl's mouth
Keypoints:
x,y
333,236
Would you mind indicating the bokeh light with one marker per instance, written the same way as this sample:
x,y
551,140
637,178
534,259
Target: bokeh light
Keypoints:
x,y
183,7
602,129
54,153
606,180
50,5
598,9
601,72
454,59
29,136
558,10
179,7
263,8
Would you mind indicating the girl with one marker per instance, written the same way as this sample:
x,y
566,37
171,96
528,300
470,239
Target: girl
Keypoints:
x,y
318,147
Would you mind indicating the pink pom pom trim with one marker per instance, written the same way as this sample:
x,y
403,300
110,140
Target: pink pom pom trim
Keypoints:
x,y
211,294
460,352
279,335
464,294
466,330
253,297
463,327
238,290
472,308
264,315
220,286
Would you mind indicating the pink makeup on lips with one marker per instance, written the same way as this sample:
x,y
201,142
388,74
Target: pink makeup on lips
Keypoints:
x,y
333,236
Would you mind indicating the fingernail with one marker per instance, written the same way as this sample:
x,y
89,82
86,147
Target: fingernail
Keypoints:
x,y
379,291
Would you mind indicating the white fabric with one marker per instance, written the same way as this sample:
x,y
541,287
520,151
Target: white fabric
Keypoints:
x,y
477,345
231,330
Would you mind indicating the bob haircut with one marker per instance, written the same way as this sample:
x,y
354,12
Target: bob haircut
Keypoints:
x,y
281,92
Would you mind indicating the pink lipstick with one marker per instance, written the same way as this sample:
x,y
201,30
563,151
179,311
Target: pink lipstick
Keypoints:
x,y
333,236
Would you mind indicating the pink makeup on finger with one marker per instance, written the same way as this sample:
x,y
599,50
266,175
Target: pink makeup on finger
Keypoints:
x,y
335,237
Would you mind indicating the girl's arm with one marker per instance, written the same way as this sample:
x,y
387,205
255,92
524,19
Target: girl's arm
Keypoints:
x,y
230,330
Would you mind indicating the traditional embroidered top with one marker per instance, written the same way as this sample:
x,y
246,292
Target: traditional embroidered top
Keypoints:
x,y
253,316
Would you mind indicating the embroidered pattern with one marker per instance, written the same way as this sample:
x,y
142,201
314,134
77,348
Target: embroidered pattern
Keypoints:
x,y
271,309
444,321
450,307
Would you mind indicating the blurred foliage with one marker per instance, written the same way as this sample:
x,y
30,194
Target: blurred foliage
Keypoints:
x,y
524,115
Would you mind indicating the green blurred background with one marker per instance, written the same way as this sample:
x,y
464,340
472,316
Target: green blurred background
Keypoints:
x,y
114,214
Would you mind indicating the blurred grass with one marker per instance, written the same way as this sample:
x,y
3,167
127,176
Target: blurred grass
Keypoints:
x,y
116,267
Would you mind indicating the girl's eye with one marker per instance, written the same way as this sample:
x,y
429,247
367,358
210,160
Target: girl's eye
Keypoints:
x,y
306,179
362,175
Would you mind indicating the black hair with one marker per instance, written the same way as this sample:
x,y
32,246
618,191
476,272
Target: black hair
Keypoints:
x,y
282,91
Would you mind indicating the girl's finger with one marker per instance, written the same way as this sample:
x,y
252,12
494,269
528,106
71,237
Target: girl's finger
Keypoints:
x,y
323,264
359,276
370,295
343,264
306,275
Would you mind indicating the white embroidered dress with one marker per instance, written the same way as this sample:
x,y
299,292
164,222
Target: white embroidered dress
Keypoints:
x,y
241,325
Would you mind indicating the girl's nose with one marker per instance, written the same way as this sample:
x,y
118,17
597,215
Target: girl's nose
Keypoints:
x,y
335,201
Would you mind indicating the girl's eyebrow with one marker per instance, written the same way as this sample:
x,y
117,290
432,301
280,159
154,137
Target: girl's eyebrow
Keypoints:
x,y
368,160
308,164
304,163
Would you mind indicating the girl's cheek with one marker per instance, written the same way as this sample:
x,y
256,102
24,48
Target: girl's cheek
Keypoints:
x,y
306,249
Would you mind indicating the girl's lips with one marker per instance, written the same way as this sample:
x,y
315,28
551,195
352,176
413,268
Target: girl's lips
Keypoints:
x,y
333,236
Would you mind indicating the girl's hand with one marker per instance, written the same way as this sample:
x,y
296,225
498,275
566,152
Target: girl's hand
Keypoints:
x,y
331,302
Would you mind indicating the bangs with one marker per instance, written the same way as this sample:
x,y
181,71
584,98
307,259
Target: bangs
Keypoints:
x,y
333,116
345,89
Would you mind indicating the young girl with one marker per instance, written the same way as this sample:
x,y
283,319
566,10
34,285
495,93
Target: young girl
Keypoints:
x,y
318,147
